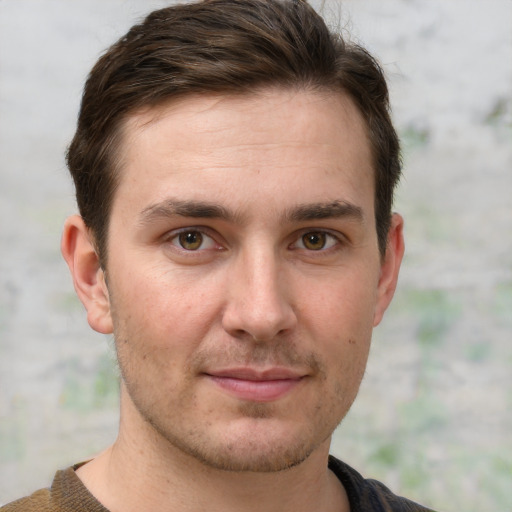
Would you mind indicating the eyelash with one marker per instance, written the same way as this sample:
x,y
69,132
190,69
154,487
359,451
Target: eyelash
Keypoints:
x,y
334,241
173,239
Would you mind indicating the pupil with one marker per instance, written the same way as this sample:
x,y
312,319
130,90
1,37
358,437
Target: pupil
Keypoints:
x,y
314,241
191,240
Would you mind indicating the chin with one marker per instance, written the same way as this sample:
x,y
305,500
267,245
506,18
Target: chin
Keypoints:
x,y
253,459
253,446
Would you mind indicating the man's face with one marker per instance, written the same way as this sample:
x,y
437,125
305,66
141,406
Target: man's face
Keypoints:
x,y
244,275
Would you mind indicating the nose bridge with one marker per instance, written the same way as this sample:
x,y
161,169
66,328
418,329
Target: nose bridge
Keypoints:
x,y
259,304
261,270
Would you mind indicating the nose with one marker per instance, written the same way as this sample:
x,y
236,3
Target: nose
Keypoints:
x,y
258,306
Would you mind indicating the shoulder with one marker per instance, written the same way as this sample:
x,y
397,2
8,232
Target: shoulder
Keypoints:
x,y
67,494
37,502
366,495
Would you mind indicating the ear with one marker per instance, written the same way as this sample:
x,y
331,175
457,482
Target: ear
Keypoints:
x,y
88,277
390,267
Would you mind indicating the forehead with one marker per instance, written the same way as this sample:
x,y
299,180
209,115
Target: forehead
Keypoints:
x,y
323,108
281,141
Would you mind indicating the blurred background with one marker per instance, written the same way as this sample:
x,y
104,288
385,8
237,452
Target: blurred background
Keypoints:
x,y
434,415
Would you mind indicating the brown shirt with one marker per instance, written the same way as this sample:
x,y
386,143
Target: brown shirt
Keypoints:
x,y
68,494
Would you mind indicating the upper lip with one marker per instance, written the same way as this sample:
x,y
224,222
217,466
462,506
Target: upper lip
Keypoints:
x,y
256,374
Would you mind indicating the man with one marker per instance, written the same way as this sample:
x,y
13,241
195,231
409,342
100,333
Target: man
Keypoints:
x,y
234,165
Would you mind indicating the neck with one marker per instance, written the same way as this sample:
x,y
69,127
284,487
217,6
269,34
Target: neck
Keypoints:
x,y
144,472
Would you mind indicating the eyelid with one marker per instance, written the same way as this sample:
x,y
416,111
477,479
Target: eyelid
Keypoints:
x,y
340,239
172,235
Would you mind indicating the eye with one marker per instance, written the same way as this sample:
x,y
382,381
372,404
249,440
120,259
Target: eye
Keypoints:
x,y
316,241
193,240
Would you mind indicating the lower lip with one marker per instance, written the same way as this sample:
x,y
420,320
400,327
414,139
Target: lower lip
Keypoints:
x,y
256,390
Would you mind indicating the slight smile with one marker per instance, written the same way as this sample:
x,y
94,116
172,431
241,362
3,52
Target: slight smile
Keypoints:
x,y
256,385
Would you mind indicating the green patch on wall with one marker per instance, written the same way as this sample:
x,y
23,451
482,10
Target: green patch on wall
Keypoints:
x,y
68,302
399,456
12,440
428,225
3,322
413,475
434,311
387,455
478,352
424,414
96,389
498,113
502,303
495,477
414,136
502,465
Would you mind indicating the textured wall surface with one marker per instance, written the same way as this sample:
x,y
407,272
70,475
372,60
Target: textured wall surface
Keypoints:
x,y
433,418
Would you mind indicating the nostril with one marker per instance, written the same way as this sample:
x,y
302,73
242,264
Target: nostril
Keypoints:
x,y
259,325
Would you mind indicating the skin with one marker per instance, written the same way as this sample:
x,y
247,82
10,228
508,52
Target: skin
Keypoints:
x,y
244,281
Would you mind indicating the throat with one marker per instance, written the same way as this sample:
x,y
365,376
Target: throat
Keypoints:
x,y
187,485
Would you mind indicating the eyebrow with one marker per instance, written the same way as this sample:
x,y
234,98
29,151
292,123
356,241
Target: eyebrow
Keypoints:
x,y
207,210
195,209
331,210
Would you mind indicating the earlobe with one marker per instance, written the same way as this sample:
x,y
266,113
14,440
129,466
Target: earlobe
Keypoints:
x,y
88,277
390,267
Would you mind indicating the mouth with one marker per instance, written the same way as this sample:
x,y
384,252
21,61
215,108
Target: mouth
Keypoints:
x,y
256,385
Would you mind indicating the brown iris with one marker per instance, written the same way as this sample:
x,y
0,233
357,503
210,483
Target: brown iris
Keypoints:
x,y
314,241
191,240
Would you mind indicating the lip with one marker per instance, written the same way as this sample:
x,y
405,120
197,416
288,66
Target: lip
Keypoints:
x,y
256,385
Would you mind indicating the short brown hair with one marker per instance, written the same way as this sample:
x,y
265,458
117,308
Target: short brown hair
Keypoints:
x,y
222,46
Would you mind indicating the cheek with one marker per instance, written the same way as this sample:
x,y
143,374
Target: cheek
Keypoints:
x,y
162,308
344,307
339,321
